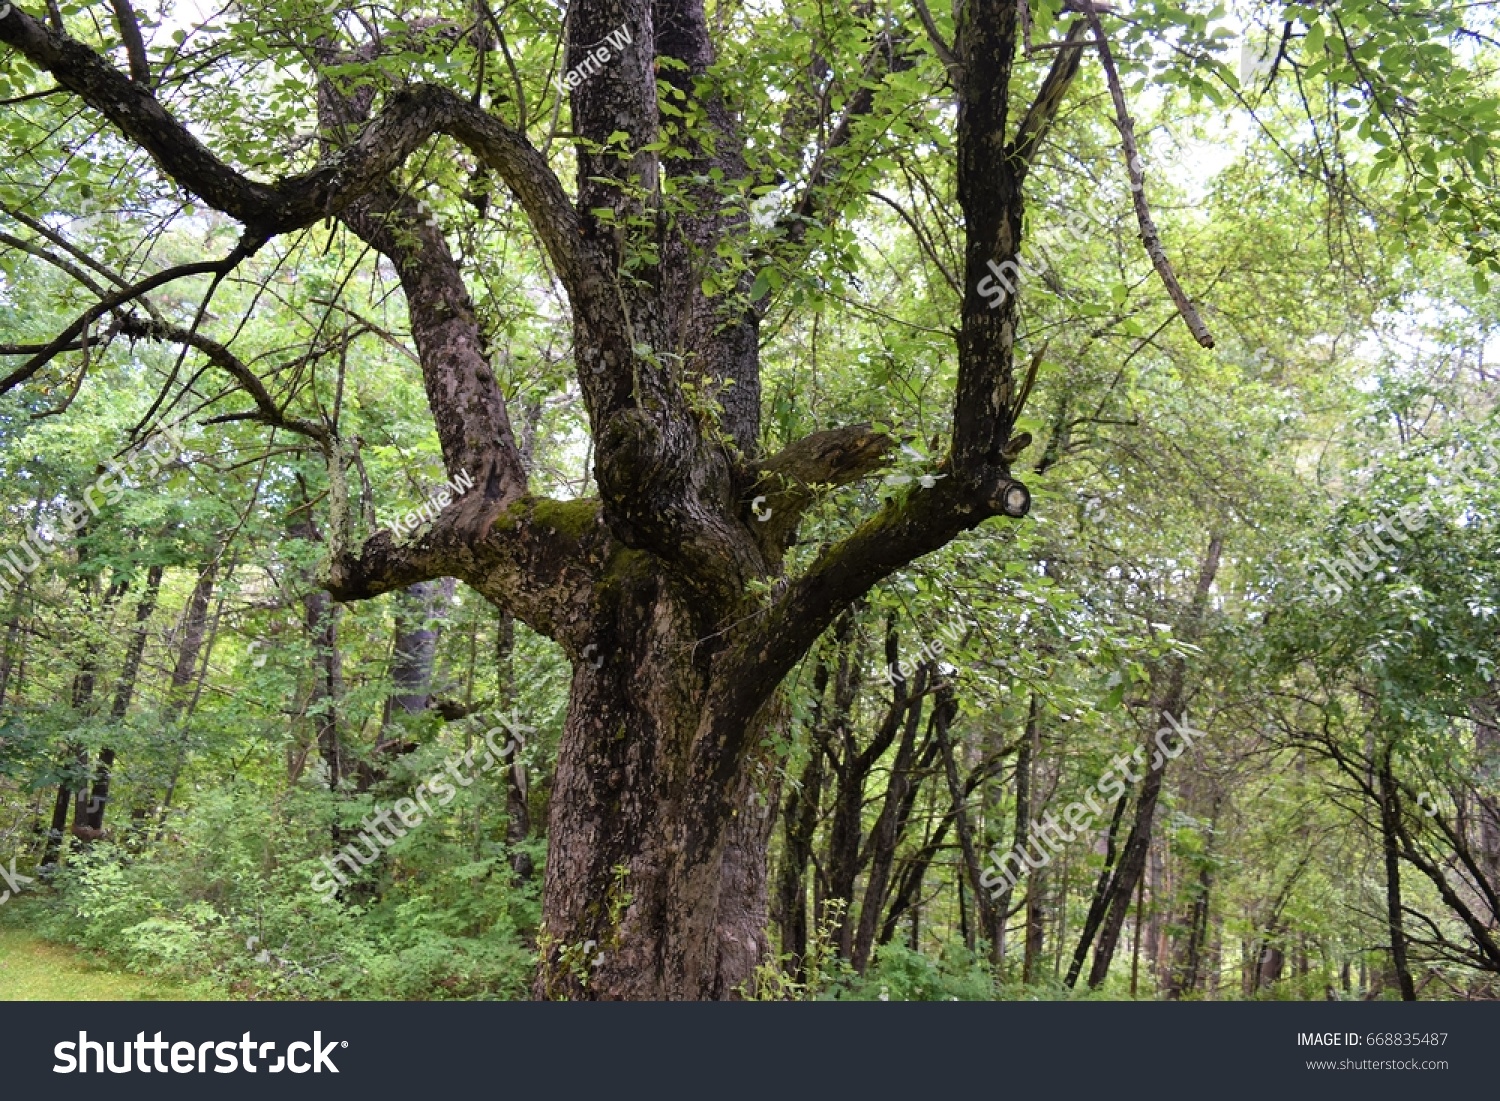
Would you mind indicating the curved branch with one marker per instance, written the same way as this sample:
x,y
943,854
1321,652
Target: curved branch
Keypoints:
x,y
411,116
1150,236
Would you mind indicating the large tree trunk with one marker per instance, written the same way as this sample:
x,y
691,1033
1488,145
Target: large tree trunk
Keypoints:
x,y
664,874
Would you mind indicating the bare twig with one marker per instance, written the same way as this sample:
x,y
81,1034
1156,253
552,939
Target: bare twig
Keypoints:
x,y
1150,236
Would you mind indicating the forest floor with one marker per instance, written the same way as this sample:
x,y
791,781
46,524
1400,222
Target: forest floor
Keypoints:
x,y
33,970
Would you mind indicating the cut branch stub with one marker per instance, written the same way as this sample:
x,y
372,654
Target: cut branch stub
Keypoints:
x,y
1014,500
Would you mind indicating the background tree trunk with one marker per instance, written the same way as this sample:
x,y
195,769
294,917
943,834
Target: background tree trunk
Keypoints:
x,y
124,691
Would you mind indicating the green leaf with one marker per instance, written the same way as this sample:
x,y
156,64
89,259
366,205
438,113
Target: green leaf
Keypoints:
x,y
1313,43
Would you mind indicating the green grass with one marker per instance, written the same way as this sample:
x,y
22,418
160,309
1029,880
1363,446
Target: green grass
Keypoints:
x,y
32,970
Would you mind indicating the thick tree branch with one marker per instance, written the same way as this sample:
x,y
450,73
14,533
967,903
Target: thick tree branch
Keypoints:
x,y
1038,118
537,562
989,191
473,425
915,524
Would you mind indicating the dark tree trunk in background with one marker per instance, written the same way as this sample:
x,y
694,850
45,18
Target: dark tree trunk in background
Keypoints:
x,y
517,782
320,624
850,769
419,610
414,653
84,686
1033,930
1390,818
895,812
124,692
1272,964
803,807
191,633
320,618
799,824
12,631
1487,802
942,718
75,766
1137,845
52,847
1101,894
1185,972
